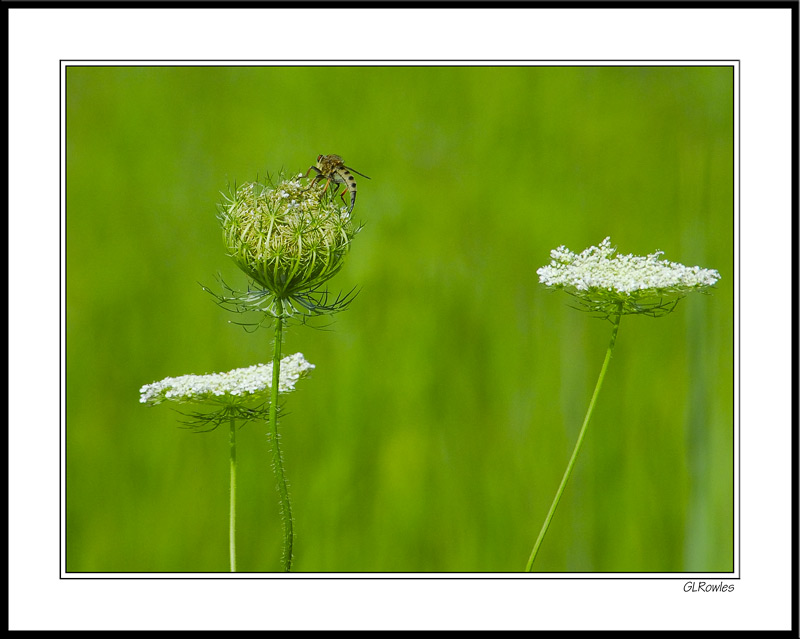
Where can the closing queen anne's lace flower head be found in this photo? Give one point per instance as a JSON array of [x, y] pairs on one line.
[[290, 239], [612, 284], [230, 388]]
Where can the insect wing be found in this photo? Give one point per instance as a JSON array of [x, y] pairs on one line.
[[361, 174]]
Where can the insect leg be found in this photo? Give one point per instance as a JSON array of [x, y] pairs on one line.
[[317, 177], [327, 184], [311, 168]]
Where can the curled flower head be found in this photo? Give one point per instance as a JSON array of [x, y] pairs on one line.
[[232, 387], [612, 284], [288, 238]]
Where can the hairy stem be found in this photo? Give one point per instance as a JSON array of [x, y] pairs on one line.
[[568, 472], [232, 529], [277, 459]]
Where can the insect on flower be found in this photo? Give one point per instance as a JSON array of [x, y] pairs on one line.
[[331, 168]]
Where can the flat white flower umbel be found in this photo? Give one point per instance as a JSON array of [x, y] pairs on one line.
[[620, 284], [252, 382]]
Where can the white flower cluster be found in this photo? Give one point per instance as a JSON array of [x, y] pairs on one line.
[[304, 203], [598, 269], [216, 387]]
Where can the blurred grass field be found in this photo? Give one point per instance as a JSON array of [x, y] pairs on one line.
[[445, 402]]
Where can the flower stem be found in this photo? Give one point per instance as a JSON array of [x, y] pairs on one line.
[[232, 530], [568, 472], [277, 459]]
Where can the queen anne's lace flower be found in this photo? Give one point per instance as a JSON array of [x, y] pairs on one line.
[[287, 237], [240, 383], [608, 283], [290, 239]]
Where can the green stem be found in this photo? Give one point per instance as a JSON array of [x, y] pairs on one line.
[[232, 530], [277, 459], [581, 435]]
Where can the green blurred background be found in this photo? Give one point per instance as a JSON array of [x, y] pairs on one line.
[[446, 401]]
